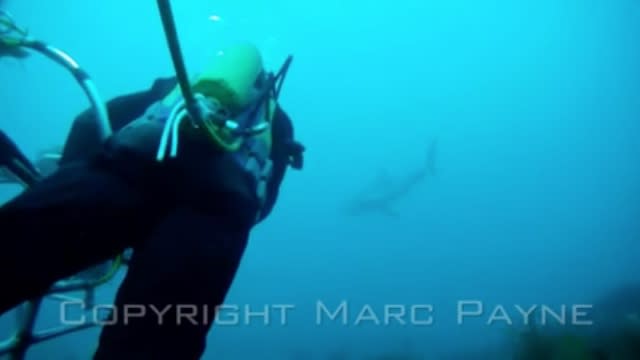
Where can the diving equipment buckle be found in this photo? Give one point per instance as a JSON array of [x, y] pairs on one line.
[[213, 118]]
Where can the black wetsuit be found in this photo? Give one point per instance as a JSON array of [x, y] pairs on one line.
[[188, 231]]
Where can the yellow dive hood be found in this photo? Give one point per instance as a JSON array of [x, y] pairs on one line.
[[230, 77]]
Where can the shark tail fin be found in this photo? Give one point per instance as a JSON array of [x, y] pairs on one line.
[[432, 153]]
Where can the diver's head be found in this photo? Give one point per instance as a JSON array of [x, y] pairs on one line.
[[235, 77]]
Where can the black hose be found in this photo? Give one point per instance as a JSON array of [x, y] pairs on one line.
[[176, 55], [282, 74], [16, 162]]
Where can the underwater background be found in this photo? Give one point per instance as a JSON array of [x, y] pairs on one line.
[[535, 106]]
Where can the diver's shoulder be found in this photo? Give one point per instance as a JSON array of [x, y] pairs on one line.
[[282, 119]]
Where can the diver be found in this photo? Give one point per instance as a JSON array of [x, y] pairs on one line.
[[387, 192], [186, 209]]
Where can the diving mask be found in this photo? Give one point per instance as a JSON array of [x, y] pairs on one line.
[[254, 118], [250, 121]]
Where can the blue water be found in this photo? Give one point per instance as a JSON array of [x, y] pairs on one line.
[[536, 107]]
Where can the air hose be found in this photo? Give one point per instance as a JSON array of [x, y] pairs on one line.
[[169, 25], [13, 39]]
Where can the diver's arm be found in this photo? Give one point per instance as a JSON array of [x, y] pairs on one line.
[[282, 132], [83, 141]]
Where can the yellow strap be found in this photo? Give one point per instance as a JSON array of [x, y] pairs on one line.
[[117, 263]]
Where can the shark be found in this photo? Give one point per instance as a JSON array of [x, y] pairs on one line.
[[388, 191]]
